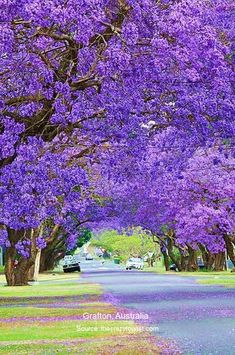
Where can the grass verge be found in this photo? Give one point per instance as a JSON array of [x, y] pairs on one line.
[[220, 280], [47, 318]]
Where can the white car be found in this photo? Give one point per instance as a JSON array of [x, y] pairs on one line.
[[135, 263], [71, 263]]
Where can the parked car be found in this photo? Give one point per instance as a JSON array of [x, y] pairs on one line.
[[71, 263], [135, 263], [173, 267], [89, 257], [200, 263], [99, 252]]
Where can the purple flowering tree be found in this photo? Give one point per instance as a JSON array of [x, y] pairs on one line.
[[183, 197], [205, 214], [80, 81]]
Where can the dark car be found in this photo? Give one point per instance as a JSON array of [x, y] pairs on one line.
[[89, 257], [173, 267], [200, 263]]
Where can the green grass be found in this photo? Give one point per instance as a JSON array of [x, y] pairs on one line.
[[47, 291], [207, 273], [60, 330], [122, 345], [217, 280], [160, 269], [31, 323], [42, 349], [47, 277], [220, 278], [18, 312], [70, 289]]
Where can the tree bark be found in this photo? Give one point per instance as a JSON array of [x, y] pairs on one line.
[[219, 261], [21, 272], [164, 252], [205, 256], [31, 273], [37, 265], [166, 260], [17, 267], [210, 261], [9, 266], [34, 270], [182, 261], [192, 262], [54, 251], [170, 245], [214, 262], [230, 248]]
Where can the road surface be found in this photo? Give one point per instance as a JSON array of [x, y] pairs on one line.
[[200, 318]]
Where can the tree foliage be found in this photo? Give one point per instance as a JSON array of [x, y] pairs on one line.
[[137, 244], [87, 85]]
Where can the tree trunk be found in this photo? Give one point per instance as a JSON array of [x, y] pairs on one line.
[[171, 254], [166, 260], [219, 262], [205, 257], [17, 270], [21, 272], [37, 265], [31, 273], [192, 262], [9, 266], [50, 256], [182, 262], [54, 251], [210, 260], [34, 270], [230, 248], [48, 259]]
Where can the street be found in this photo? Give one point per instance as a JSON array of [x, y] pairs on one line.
[[200, 318]]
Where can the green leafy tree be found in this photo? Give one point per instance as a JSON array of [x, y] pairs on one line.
[[138, 244]]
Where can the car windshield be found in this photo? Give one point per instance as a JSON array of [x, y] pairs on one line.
[[135, 260]]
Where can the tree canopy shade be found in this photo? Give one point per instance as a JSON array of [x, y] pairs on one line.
[[82, 81], [189, 206], [103, 66]]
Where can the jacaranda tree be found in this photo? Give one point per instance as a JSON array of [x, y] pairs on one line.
[[79, 80], [188, 207]]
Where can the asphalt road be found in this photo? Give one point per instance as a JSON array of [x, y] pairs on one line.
[[201, 319]]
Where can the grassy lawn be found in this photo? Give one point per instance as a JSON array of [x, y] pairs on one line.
[[160, 269], [121, 345], [59, 330], [47, 318], [221, 280], [50, 290]]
